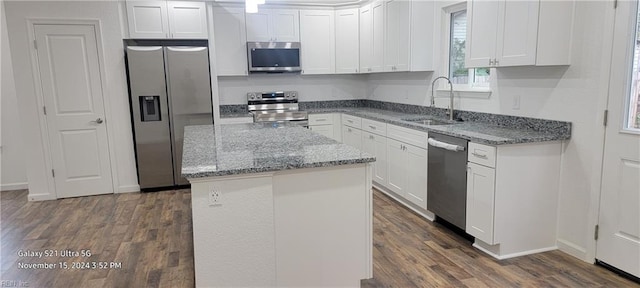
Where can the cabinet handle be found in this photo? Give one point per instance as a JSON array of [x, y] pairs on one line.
[[321, 119], [490, 62], [496, 62], [479, 155], [349, 129], [356, 70], [370, 136], [372, 127]]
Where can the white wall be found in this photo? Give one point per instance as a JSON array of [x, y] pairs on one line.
[[13, 174], [116, 99], [575, 93], [233, 90]]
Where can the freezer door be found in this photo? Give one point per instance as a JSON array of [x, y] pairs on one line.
[[150, 116], [189, 89]]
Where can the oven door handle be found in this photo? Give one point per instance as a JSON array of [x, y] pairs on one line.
[[445, 145]]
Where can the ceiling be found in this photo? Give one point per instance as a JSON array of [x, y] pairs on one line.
[[305, 2]]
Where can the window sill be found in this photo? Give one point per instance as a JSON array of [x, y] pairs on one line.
[[477, 93]]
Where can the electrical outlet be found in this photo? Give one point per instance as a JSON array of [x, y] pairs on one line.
[[516, 102], [214, 198]]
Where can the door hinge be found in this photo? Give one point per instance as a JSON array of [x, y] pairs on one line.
[[595, 233], [44, 110], [606, 117], [53, 173], [35, 44]]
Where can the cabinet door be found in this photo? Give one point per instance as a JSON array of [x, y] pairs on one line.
[[480, 202], [416, 170], [325, 130], [366, 38], [231, 41], [482, 27], [317, 36], [517, 33], [148, 19], [377, 13], [352, 136], [285, 25], [377, 145], [397, 28], [259, 26], [187, 19], [397, 167], [347, 41]]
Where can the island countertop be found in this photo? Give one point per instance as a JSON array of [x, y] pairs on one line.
[[218, 150]]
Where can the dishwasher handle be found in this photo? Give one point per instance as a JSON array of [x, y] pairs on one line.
[[444, 145]]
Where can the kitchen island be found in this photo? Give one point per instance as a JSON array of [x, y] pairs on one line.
[[277, 206]]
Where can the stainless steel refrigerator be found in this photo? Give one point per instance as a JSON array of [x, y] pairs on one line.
[[169, 88]]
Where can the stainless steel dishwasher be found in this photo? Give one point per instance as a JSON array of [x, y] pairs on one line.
[[447, 178]]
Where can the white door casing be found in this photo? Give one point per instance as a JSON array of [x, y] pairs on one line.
[[72, 92], [618, 243]]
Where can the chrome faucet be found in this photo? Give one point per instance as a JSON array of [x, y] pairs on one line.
[[433, 97]]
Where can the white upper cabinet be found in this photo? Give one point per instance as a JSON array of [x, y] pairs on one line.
[[148, 19], [397, 31], [187, 20], [317, 37], [423, 33], [347, 41], [230, 41], [377, 13], [372, 37], [510, 33], [366, 38], [167, 19], [267, 25]]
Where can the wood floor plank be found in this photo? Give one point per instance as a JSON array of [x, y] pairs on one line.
[[151, 236]]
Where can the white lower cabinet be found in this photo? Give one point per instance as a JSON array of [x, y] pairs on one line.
[[480, 201], [376, 145], [512, 197], [352, 136], [327, 124], [407, 168], [326, 130]]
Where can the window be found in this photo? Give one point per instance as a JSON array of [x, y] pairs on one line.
[[633, 104], [460, 76]]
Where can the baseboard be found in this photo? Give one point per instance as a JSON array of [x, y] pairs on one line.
[[572, 249], [14, 186], [428, 215], [128, 189], [41, 197], [513, 255]]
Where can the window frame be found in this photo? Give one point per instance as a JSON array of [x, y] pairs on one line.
[[484, 89]]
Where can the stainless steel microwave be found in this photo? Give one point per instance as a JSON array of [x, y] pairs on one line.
[[273, 56]]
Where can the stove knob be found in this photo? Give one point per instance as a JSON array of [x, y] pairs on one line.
[[259, 96], [294, 95], [251, 96]]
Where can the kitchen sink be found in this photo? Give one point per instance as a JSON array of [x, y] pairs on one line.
[[430, 121]]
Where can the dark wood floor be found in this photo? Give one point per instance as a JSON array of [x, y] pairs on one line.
[[150, 235]]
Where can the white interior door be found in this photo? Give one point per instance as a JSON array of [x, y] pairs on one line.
[[619, 220], [73, 97]]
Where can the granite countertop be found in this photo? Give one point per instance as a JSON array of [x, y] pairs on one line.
[[474, 131], [259, 147]]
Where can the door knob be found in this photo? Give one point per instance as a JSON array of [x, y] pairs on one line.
[[98, 121]]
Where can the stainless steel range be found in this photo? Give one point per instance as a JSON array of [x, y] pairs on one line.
[[276, 107]]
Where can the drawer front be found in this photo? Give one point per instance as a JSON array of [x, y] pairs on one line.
[[352, 121], [374, 127], [406, 135], [482, 154], [236, 120], [320, 119]]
